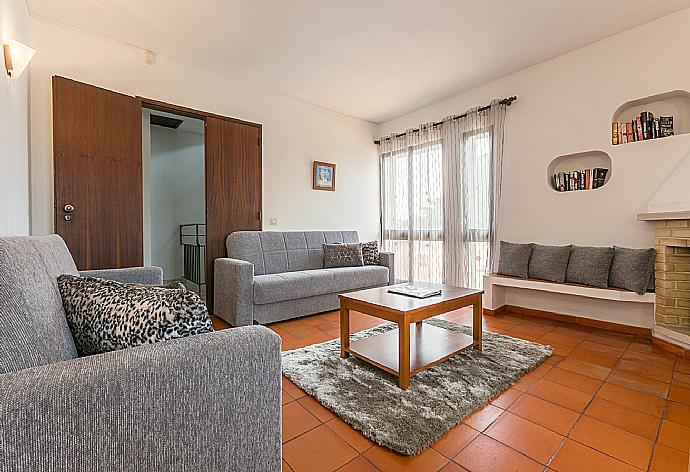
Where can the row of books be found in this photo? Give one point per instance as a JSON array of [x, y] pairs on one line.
[[642, 128], [585, 179]]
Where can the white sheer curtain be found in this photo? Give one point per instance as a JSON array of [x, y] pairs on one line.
[[412, 203], [440, 195]]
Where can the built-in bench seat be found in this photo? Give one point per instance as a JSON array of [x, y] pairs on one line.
[[558, 300]]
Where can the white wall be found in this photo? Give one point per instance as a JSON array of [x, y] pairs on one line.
[[14, 141], [176, 194], [294, 133], [565, 106]]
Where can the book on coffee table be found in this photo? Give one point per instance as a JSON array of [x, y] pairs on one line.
[[415, 291]]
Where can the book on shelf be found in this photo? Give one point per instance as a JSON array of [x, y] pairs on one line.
[[584, 179], [655, 128], [625, 132], [641, 128], [640, 133], [599, 177], [665, 126]]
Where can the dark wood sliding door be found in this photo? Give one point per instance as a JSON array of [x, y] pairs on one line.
[[233, 185], [98, 179], [98, 176]]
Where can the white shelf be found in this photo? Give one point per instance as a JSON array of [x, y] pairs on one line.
[[675, 103], [568, 289], [579, 161]]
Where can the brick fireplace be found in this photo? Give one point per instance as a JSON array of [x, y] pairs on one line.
[[669, 210], [672, 273]]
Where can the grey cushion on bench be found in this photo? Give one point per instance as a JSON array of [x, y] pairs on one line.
[[549, 262], [514, 259], [589, 266], [631, 269]]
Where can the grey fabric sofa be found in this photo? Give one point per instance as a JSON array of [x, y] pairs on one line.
[[204, 403], [272, 276]]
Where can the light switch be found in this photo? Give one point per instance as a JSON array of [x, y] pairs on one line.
[[273, 221]]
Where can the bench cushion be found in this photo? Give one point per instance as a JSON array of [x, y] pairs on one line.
[[514, 259], [273, 288], [589, 266], [549, 262], [632, 269]]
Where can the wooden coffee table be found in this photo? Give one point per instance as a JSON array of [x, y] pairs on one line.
[[408, 350]]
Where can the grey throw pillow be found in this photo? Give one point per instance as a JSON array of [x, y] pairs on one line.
[[514, 259], [104, 315], [632, 269], [370, 253], [549, 262], [342, 255], [589, 266]]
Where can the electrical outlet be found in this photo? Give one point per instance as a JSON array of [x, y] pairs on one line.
[[273, 221]]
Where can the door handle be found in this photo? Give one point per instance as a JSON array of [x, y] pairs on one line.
[[69, 208]]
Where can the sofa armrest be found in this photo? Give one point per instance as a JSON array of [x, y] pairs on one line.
[[388, 260], [233, 291], [205, 403], [132, 275]]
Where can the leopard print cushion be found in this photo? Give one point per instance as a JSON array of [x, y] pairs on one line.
[[370, 252], [104, 315]]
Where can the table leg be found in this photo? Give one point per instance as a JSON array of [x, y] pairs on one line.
[[404, 354], [477, 323], [344, 332], [418, 324]]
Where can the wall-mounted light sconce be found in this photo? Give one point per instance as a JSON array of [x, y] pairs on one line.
[[17, 57]]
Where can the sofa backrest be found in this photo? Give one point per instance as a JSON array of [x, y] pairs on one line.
[[273, 252], [33, 327]]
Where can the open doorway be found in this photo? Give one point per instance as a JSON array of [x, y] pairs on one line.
[[174, 196]]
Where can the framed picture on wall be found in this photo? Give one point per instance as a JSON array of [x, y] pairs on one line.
[[323, 176]]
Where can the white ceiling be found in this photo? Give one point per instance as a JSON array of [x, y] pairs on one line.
[[372, 59]]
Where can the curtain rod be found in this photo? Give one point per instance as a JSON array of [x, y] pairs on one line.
[[504, 101]]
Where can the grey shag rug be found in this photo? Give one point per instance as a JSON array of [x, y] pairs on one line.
[[409, 421]]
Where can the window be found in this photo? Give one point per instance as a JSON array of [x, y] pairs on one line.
[[412, 220], [412, 223]]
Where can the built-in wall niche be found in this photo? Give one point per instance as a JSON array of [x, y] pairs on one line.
[[675, 103], [582, 171]]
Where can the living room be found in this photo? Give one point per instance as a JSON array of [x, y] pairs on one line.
[[487, 151]]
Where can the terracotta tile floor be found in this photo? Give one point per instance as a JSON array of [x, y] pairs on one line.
[[604, 401]]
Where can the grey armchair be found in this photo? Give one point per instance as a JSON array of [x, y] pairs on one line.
[[204, 403]]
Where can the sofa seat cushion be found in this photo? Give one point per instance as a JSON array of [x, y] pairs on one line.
[[273, 288]]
